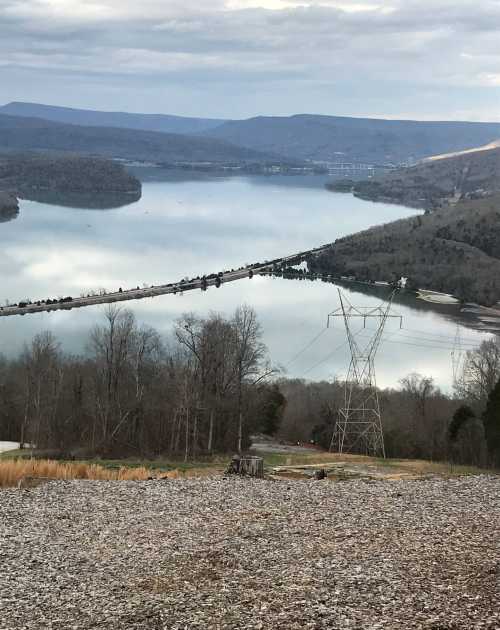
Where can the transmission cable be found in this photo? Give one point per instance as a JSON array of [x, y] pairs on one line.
[[334, 351], [416, 345], [446, 337], [439, 344], [401, 333], [301, 352], [325, 359]]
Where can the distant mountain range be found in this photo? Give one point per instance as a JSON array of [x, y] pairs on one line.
[[20, 134], [299, 137], [337, 139], [90, 118], [166, 138]]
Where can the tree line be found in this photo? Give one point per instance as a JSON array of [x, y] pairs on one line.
[[210, 385], [201, 391], [419, 420]]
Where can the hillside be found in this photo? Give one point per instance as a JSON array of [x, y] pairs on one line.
[[144, 122], [9, 207], [70, 180], [21, 134], [434, 182], [454, 250], [299, 137], [335, 138], [71, 173]]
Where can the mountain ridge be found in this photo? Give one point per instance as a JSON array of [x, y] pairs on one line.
[[341, 138], [166, 123], [24, 134], [313, 137]]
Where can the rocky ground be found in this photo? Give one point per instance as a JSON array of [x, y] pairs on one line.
[[252, 554]]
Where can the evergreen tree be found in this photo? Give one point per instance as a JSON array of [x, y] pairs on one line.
[[460, 417], [272, 410], [491, 419]]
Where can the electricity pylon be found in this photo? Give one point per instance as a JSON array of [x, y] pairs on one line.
[[456, 356], [358, 428]]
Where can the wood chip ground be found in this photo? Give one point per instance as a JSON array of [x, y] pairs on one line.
[[252, 554]]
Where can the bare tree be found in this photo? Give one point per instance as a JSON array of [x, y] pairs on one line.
[[250, 353], [43, 385], [480, 373], [111, 348]]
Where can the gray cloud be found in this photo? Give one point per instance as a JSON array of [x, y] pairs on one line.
[[321, 47]]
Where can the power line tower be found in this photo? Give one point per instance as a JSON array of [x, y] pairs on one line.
[[358, 428], [456, 356]]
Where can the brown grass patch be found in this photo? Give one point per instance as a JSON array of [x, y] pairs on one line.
[[30, 472]]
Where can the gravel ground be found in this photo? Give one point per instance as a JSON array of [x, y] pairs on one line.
[[227, 554]]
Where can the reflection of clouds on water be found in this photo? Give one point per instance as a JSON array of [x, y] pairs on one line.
[[219, 224]]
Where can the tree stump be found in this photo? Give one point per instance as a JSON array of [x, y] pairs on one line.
[[246, 467]]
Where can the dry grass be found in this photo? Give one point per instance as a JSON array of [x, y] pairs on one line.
[[27, 472], [446, 469], [352, 466]]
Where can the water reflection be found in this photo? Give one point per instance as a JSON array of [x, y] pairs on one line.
[[90, 201], [187, 228]]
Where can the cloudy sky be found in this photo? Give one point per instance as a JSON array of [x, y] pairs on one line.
[[425, 59]]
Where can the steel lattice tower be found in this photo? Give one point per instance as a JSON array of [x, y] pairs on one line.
[[358, 428], [456, 356]]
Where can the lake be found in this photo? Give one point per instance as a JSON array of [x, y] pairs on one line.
[[187, 226]]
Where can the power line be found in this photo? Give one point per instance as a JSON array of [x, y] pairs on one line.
[[311, 343], [417, 345], [428, 334], [325, 359], [429, 340], [422, 338]]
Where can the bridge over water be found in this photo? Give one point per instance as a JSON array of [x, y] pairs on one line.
[[214, 279]]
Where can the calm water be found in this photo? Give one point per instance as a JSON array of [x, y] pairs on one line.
[[190, 227]]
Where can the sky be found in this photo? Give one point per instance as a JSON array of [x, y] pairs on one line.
[[419, 59]]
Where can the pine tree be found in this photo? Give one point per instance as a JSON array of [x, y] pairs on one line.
[[460, 417]]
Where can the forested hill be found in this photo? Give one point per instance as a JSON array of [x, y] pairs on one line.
[[65, 177], [71, 173], [435, 183], [455, 249], [9, 206], [337, 139], [20, 134], [146, 122]]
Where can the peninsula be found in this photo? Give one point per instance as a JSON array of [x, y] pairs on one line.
[[36, 175]]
